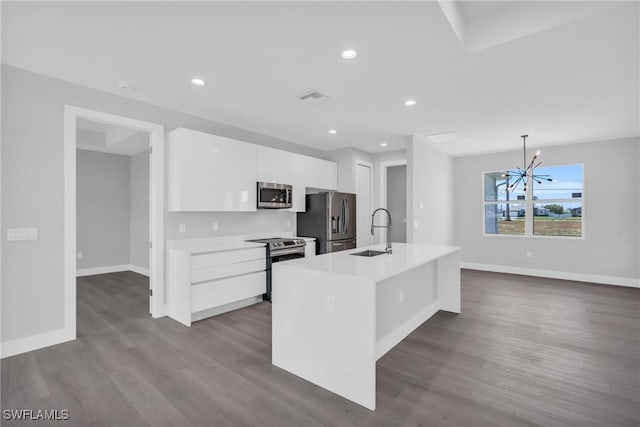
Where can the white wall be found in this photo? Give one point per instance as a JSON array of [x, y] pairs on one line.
[[430, 194], [102, 205], [346, 159], [32, 190], [610, 247], [139, 217]]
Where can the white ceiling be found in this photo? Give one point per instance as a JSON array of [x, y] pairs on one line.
[[559, 80], [108, 138]]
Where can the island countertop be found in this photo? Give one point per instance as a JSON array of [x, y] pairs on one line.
[[334, 315], [404, 257]]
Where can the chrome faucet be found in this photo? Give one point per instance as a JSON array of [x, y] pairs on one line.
[[388, 227]]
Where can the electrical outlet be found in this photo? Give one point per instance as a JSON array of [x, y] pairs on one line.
[[401, 297], [182, 228], [529, 254], [288, 223], [421, 205], [80, 255], [22, 234], [214, 226]]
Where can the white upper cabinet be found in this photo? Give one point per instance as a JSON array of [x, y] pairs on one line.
[[275, 165], [302, 172], [321, 174], [210, 173]]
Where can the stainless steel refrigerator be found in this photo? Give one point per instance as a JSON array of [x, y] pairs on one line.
[[331, 219]]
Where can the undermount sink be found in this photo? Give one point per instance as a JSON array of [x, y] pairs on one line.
[[369, 253]]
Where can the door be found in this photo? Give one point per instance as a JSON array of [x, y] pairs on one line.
[[363, 203], [397, 202]]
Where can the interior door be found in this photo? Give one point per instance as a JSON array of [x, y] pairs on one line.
[[363, 204], [397, 202]]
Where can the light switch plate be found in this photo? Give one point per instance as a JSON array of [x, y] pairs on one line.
[[182, 228], [14, 234]]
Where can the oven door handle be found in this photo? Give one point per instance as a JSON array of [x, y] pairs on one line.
[[288, 252]]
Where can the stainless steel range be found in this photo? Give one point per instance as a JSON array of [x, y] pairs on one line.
[[280, 249]]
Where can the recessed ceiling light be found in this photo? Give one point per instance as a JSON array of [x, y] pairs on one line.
[[197, 82], [443, 137], [383, 144], [333, 131], [349, 54], [410, 102]]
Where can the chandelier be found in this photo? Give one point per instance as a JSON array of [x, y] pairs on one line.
[[526, 173]]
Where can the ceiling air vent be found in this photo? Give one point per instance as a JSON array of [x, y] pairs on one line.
[[313, 97], [443, 137]]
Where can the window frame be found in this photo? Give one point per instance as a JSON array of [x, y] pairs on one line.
[[529, 208]]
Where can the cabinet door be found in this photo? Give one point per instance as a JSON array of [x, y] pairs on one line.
[[273, 165], [210, 173], [321, 174]]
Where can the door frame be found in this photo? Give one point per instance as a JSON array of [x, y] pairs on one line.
[[383, 183], [157, 304], [370, 166]]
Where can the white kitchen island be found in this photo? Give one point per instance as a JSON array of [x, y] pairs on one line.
[[335, 315]]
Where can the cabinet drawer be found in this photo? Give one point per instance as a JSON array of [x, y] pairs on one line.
[[226, 270], [227, 257], [212, 294]]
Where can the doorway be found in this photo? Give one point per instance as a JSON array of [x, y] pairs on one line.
[[73, 117], [393, 196], [112, 204], [364, 200]]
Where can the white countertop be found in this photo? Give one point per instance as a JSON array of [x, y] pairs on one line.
[[227, 243], [405, 257], [213, 246]]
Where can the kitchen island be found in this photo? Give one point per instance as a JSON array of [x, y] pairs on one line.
[[335, 315]]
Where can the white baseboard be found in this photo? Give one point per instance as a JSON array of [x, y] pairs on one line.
[[578, 277], [101, 270], [225, 308], [139, 270], [34, 342], [112, 269], [392, 339], [162, 311]]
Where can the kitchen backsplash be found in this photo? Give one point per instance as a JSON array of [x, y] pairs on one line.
[[201, 224]]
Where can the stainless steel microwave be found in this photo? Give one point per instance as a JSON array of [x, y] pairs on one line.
[[274, 196]]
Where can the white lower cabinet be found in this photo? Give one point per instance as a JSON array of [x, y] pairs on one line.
[[200, 283]]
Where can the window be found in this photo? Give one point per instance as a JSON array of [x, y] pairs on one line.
[[546, 209]]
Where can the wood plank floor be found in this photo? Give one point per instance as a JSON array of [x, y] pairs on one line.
[[525, 351]]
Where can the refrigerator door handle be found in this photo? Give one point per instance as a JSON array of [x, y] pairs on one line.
[[346, 215]]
